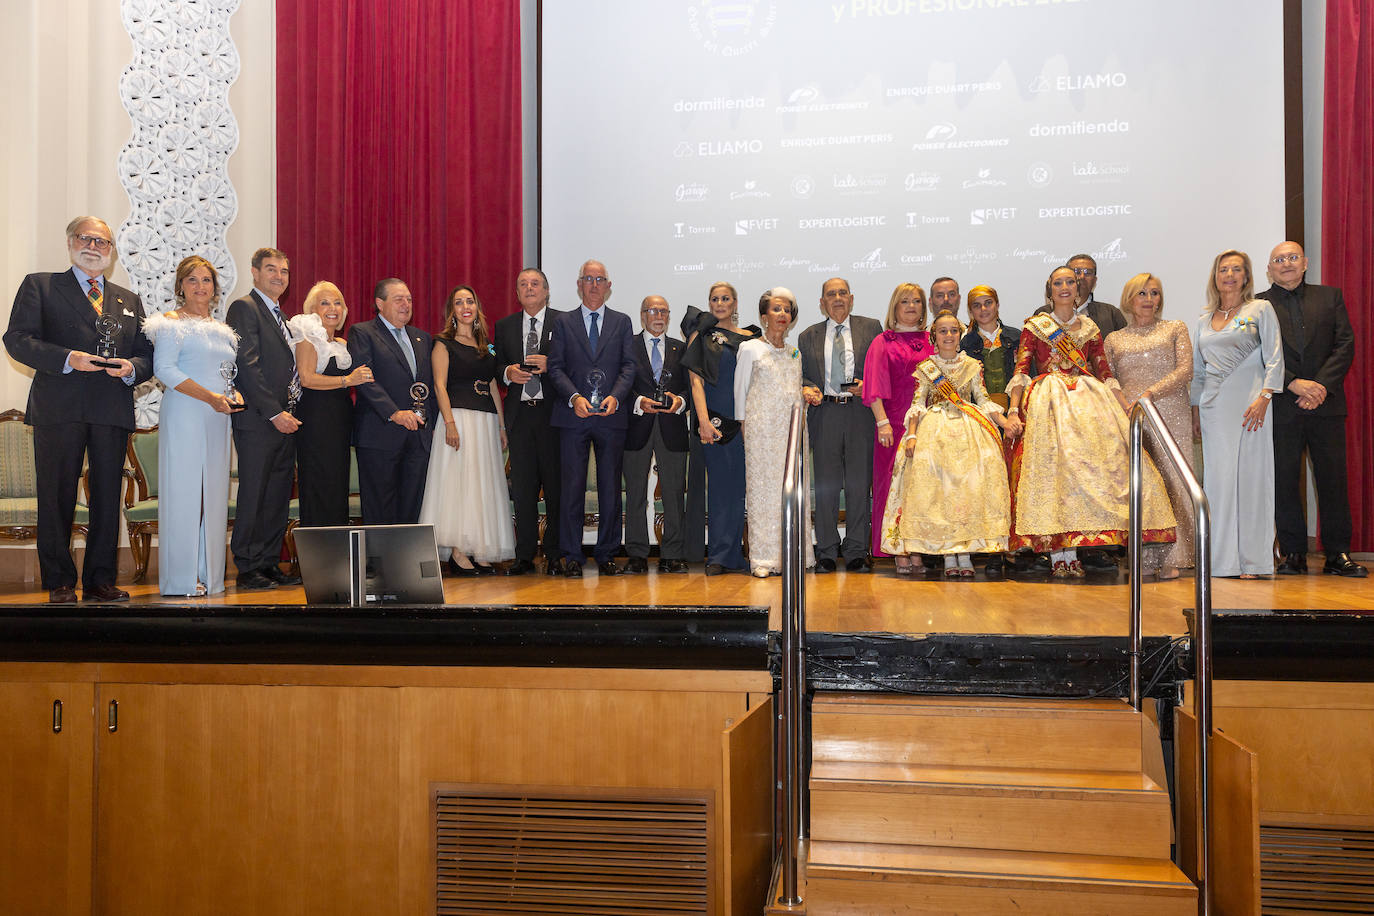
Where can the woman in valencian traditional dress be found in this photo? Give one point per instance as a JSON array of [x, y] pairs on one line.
[[949, 487], [1070, 466]]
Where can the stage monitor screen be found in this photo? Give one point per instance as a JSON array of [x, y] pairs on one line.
[[767, 143], [402, 564]]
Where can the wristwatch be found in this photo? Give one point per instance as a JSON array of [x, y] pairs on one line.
[[1267, 395]]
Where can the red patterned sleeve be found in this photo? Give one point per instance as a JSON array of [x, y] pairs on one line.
[[1097, 358]]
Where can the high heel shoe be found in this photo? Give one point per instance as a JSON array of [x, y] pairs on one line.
[[462, 572], [482, 568]]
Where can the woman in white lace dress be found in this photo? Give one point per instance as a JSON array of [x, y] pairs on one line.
[[768, 383]]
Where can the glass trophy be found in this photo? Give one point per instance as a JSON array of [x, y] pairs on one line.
[[229, 370], [419, 393], [662, 395], [596, 380], [106, 352], [293, 395]]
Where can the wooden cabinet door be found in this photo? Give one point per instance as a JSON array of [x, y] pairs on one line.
[[246, 799], [45, 799]]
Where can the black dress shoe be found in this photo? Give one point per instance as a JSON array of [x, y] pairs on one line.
[[253, 580], [859, 565], [274, 573], [572, 570], [455, 570], [673, 566], [636, 565], [607, 568], [520, 568], [714, 569], [825, 565], [1340, 564], [553, 568], [994, 569], [483, 569], [1097, 561], [104, 593], [1293, 564], [63, 594]]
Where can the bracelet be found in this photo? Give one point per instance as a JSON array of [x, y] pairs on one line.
[[909, 437], [884, 422]]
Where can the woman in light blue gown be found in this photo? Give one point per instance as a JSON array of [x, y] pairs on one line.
[[189, 347], [1237, 368]]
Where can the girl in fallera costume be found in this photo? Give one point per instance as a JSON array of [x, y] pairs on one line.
[[949, 491]]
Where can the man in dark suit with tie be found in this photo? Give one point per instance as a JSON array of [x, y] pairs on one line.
[[264, 432], [80, 410], [392, 440], [522, 339], [1309, 414], [656, 432], [591, 366], [842, 428]]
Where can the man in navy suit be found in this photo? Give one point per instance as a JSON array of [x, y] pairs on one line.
[[591, 367], [79, 411], [659, 433], [392, 440], [1310, 413], [264, 432]]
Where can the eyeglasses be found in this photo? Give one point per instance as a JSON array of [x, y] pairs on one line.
[[655, 312], [595, 281], [1280, 260], [1084, 271], [99, 243]]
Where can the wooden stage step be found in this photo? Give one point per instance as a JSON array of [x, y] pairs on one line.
[[1107, 812], [878, 879], [976, 731]]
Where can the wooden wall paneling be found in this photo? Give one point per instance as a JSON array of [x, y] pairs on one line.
[[551, 737], [45, 799], [747, 810], [1234, 869], [237, 799]]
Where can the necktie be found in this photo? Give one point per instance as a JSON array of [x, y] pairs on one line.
[[837, 378], [532, 388], [405, 348], [592, 335], [656, 359], [94, 295], [281, 325]]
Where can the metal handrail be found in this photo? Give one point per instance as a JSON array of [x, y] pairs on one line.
[[1144, 412], [793, 656]]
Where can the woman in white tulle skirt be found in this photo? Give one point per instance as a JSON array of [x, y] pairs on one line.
[[466, 498]]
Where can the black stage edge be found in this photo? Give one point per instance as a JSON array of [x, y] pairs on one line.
[[708, 638], [1292, 645], [988, 665]]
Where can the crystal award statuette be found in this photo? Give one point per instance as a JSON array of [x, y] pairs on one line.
[[419, 393], [229, 370], [662, 395], [595, 379], [108, 326], [293, 395]]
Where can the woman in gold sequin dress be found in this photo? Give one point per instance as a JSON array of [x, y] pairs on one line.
[[1155, 357], [1069, 464]]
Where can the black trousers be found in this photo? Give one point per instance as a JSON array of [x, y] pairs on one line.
[[58, 451], [1323, 438], [267, 468], [534, 466]]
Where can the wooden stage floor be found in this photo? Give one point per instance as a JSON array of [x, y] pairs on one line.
[[853, 602]]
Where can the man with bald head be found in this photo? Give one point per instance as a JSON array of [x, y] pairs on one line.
[[81, 407], [657, 435], [1309, 414]]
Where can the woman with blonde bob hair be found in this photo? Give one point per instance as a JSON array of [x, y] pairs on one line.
[[1154, 357], [888, 387], [325, 410], [1237, 368]]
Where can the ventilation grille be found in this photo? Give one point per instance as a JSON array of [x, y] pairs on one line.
[[500, 852], [1316, 870]]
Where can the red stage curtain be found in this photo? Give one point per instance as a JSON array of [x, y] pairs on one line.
[[1348, 227], [398, 149]]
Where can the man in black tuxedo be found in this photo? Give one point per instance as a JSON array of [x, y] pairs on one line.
[[522, 339], [656, 432], [79, 410], [591, 367], [1318, 347], [842, 428], [392, 440], [264, 432]]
